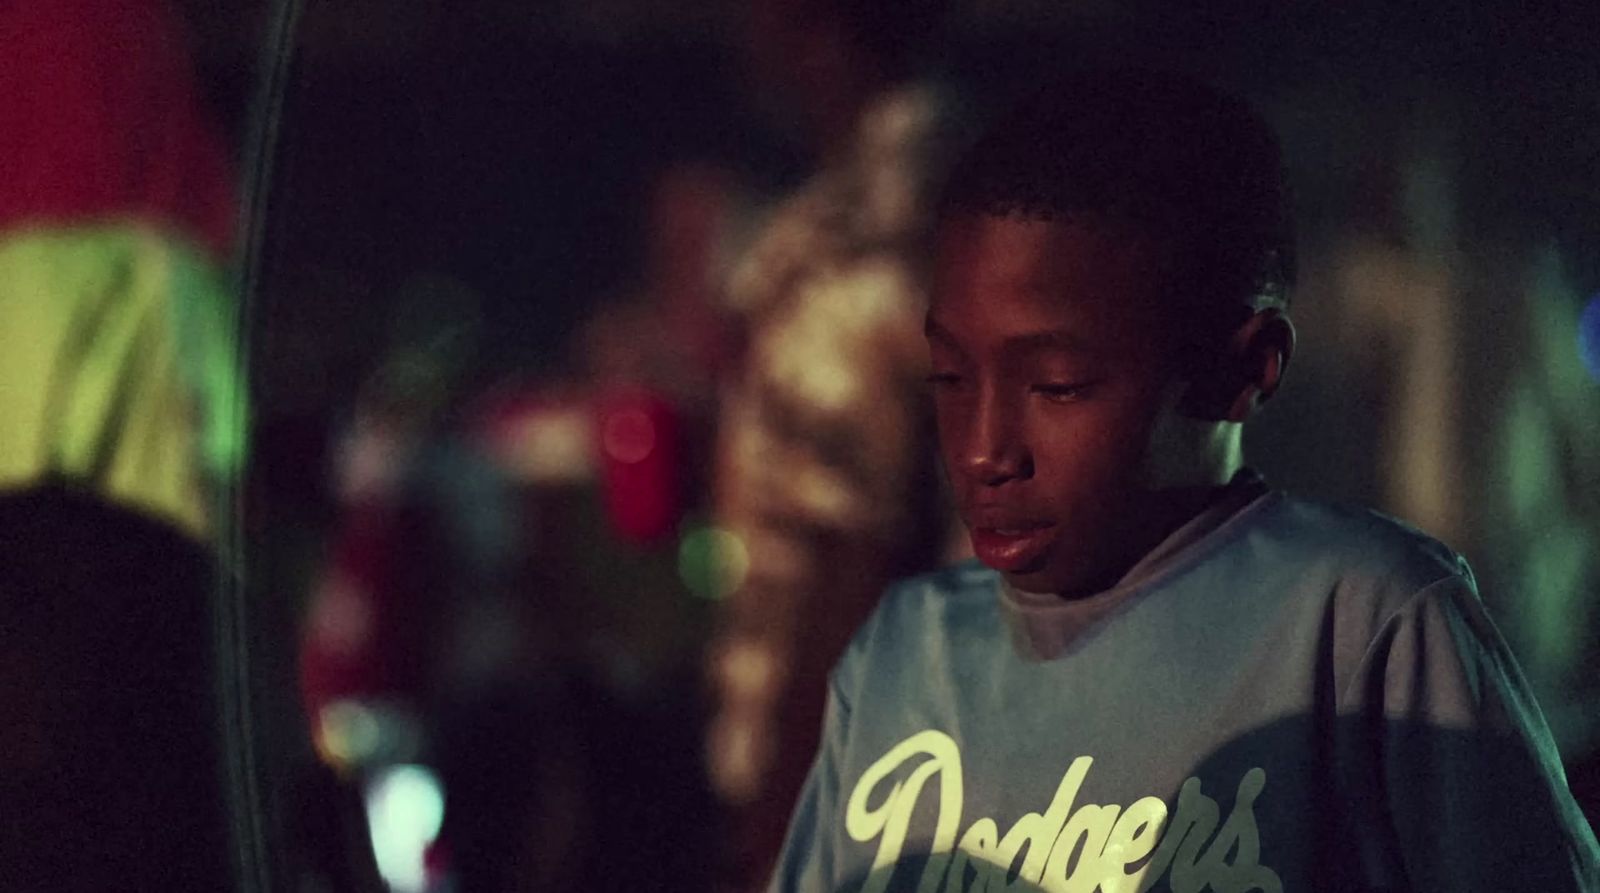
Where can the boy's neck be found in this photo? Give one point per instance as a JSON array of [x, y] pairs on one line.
[[1186, 453], [1159, 517]]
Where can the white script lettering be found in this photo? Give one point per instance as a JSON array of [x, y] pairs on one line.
[[1064, 849]]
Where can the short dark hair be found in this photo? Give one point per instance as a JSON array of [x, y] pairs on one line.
[[1187, 165]]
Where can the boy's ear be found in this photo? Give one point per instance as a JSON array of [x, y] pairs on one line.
[[1247, 373]]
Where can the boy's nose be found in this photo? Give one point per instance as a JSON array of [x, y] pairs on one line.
[[992, 468], [994, 453]]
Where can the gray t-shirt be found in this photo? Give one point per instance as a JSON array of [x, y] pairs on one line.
[[1284, 696]]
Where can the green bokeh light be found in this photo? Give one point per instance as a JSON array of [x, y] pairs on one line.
[[712, 562]]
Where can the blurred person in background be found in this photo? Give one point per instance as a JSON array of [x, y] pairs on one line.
[[505, 603], [825, 478], [423, 556], [122, 407], [117, 210]]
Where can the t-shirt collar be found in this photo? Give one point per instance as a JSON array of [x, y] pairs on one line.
[[1043, 625]]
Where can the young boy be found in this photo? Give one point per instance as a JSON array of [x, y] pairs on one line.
[[1168, 676]]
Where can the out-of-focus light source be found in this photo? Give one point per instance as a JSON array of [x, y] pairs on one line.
[[351, 733], [1589, 337], [748, 671], [628, 436], [641, 473], [712, 562], [405, 809], [348, 733], [545, 444]]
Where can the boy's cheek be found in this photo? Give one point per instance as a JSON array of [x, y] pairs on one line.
[[954, 433], [1180, 451]]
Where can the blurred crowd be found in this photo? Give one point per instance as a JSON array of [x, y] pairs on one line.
[[689, 522], [570, 629]]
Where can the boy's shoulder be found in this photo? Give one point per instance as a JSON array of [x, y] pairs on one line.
[[1354, 545]]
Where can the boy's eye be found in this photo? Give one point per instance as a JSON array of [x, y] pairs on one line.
[[943, 379], [1062, 393]]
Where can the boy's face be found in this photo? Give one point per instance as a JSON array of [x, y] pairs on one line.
[[1053, 384]]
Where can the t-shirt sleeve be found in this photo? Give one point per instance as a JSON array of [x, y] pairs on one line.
[[1454, 779], [806, 862]]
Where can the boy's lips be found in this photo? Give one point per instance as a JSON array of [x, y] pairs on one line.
[[1012, 547]]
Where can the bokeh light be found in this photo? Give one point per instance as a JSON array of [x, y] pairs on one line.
[[348, 733], [712, 562], [351, 733], [628, 436], [405, 809], [749, 670], [1589, 336]]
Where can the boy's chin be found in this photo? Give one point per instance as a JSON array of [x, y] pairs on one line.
[[1034, 580], [1049, 579]]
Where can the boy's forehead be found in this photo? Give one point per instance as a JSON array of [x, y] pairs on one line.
[[1001, 243], [1052, 264]]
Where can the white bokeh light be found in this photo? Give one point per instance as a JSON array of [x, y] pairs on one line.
[[405, 809]]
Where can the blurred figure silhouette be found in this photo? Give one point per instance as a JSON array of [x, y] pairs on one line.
[[825, 474], [544, 757], [425, 537], [503, 601], [119, 390], [116, 211]]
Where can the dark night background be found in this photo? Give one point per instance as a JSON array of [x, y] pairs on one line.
[[506, 151]]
